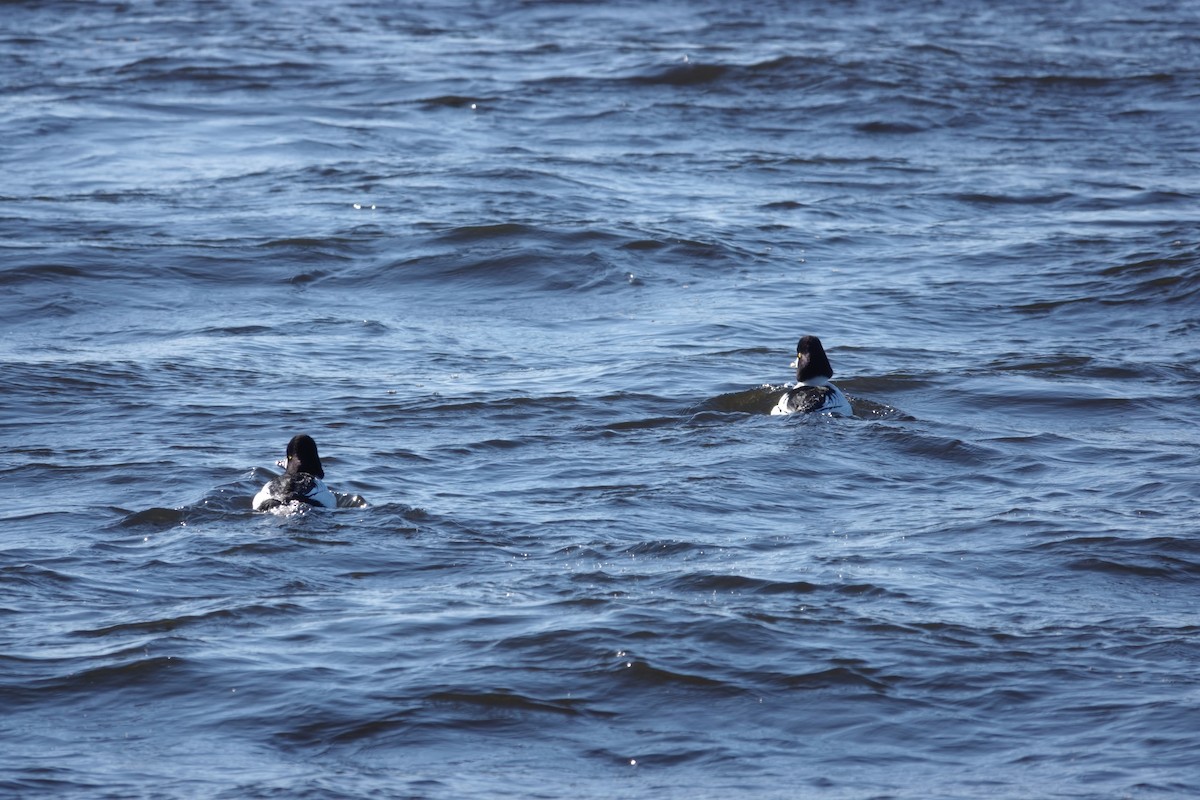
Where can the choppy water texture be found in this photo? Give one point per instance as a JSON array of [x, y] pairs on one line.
[[529, 272]]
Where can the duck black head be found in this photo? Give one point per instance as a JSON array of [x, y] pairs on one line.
[[811, 360], [302, 457]]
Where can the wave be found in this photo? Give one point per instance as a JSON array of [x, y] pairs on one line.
[[228, 501], [762, 399], [759, 400], [1168, 558], [1163, 278], [523, 257], [1052, 80]]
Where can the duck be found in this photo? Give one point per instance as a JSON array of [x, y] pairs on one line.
[[302, 481], [813, 393]]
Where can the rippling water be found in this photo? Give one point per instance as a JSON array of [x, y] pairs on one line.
[[531, 273]]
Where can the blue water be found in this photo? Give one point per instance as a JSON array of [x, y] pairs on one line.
[[531, 274]]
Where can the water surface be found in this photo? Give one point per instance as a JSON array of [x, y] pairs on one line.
[[530, 274]]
